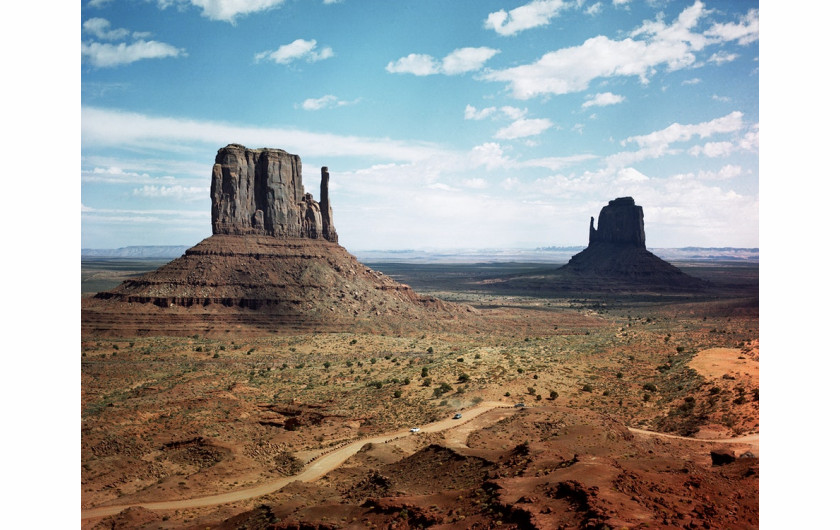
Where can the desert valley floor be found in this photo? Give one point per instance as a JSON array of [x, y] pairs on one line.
[[580, 410]]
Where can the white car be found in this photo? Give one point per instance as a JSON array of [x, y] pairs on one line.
[[414, 429]]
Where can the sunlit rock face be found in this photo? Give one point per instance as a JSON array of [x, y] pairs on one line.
[[260, 192]]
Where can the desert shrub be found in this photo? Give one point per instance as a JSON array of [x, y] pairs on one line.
[[755, 394], [606, 393], [461, 390], [463, 378], [397, 393], [352, 342], [426, 382], [216, 355], [553, 395], [539, 397], [424, 372], [714, 390], [619, 375], [507, 394], [646, 397], [460, 359], [536, 376], [587, 387], [740, 400], [406, 381], [478, 356], [650, 387], [532, 390], [476, 400], [430, 350], [199, 349], [680, 349], [327, 365], [519, 370]]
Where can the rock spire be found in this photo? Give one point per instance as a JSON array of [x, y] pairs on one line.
[[621, 222], [260, 192]]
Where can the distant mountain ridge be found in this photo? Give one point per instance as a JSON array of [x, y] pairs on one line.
[[539, 254], [150, 251]]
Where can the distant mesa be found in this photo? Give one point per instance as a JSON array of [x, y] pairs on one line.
[[615, 260], [273, 263]]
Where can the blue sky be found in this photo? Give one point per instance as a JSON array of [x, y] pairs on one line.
[[469, 124]]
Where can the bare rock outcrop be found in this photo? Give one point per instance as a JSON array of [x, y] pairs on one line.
[[621, 222], [260, 192]]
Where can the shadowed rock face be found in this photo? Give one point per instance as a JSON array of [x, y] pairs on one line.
[[621, 222], [260, 192]]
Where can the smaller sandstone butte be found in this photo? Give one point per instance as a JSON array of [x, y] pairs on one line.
[[260, 192], [615, 260]]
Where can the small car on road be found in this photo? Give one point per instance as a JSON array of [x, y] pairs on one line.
[[519, 406], [414, 429], [456, 417]]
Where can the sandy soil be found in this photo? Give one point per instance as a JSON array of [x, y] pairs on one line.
[[714, 363]]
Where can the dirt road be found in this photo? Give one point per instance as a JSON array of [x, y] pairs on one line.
[[315, 470], [334, 458]]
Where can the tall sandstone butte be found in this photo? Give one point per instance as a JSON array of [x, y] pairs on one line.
[[260, 192], [273, 263]]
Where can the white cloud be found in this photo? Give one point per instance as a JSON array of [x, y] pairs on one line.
[[724, 99], [745, 31], [572, 69], [602, 100], [459, 61], [713, 149], [523, 128], [534, 14], [722, 57], [488, 155], [224, 10], [475, 183], [183, 193], [513, 113], [128, 130], [555, 163], [98, 3], [104, 55], [465, 60], [325, 102], [620, 2], [416, 64], [677, 132], [299, 49], [693, 81], [101, 28], [594, 9]]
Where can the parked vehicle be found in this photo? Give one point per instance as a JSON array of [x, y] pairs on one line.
[[519, 406], [414, 429], [456, 417]]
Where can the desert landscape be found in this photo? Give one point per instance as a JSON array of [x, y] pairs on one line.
[[268, 379]]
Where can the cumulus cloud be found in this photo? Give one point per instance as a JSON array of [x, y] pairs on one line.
[[745, 31], [465, 60], [101, 28], [460, 61], [325, 102], [299, 49], [602, 100], [594, 9], [692, 81], [513, 113], [677, 132], [713, 149], [224, 10], [722, 57], [534, 14], [653, 45], [523, 128], [105, 54]]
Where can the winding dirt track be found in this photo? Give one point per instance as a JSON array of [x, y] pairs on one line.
[[333, 459], [315, 470]]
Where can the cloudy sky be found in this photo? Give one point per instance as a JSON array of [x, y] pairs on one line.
[[469, 124]]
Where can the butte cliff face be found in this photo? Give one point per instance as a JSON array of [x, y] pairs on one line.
[[272, 264], [621, 222], [260, 192]]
